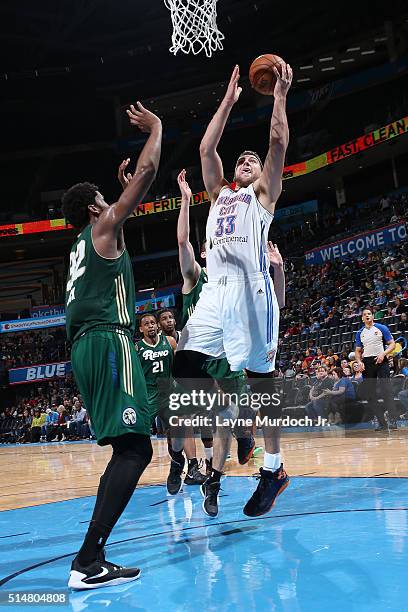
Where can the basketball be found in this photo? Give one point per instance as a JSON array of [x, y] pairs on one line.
[[261, 74]]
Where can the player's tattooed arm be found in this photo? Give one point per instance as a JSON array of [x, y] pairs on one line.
[[276, 261], [190, 269], [269, 186], [211, 164], [111, 221]]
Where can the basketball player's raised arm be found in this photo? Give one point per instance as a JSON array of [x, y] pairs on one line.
[[190, 269], [143, 177], [276, 261], [211, 164], [269, 186]]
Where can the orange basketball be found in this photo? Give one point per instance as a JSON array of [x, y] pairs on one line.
[[261, 73]]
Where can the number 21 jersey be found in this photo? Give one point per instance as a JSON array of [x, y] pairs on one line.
[[100, 291]]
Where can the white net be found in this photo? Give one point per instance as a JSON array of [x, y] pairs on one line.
[[194, 26]]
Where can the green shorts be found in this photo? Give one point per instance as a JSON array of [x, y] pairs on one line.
[[110, 379]]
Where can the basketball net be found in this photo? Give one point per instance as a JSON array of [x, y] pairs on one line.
[[194, 26]]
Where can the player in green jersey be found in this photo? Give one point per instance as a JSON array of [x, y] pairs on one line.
[[155, 352], [100, 322]]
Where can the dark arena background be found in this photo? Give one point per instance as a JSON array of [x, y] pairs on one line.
[[336, 539]]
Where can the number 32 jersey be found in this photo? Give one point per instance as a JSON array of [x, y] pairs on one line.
[[100, 291], [237, 233]]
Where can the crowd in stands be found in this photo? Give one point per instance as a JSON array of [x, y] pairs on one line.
[[50, 412], [34, 346]]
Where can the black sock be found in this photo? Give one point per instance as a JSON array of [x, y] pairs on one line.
[[115, 490], [215, 476], [192, 463]]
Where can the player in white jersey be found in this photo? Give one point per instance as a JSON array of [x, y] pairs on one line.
[[237, 315]]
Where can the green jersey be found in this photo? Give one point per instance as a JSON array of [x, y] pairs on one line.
[[190, 299], [100, 291], [157, 361]]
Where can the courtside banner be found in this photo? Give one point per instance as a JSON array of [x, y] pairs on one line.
[[28, 324], [387, 132], [37, 373], [360, 243]]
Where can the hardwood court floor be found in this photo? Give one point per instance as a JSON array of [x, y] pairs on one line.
[[31, 475]]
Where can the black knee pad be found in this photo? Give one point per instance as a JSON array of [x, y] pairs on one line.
[[189, 372], [266, 384], [135, 447]]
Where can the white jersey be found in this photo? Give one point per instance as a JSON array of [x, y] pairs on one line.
[[237, 233]]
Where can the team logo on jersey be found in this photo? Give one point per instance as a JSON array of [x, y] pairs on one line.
[[129, 416], [259, 292], [270, 355]]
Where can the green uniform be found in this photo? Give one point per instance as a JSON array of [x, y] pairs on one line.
[[157, 361], [100, 321], [216, 368]]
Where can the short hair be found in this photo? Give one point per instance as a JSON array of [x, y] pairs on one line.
[[75, 203], [339, 372], [368, 308], [249, 153], [163, 310], [322, 366], [147, 314]]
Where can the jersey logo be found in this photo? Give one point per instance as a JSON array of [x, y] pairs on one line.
[[75, 269], [152, 355], [260, 292], [129, 416], [270, 355]]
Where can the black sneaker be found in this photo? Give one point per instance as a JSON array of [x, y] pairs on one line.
[[194, 476], [174, 477], [100, 573], [271, 484], [246, 447], [208, 467], [210, 493]]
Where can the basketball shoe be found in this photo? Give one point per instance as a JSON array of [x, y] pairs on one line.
[[100, 573], [210, 493], [270, 485], [246, 447], [174, 477]]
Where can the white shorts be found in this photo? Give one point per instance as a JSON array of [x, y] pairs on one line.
[[236, 318]]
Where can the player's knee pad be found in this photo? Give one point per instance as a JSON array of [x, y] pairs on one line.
[[267, 393], [188, 371], [133, 447]]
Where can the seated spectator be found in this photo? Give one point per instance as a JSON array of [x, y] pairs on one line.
[[317, 406], [342, 393], [24, 427], [399, 307], [36, 424], [75, 426], [56, 431], [357, 372]]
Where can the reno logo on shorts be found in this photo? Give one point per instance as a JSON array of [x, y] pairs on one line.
[[129, 416]]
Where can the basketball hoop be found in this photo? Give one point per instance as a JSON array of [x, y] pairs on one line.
[[194, 26]]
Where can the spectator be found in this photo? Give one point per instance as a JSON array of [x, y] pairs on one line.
[[316, 408], [340, 396], [75, 426], [56, 431], [36, 424]]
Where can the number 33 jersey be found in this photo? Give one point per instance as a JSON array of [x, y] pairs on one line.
[[100, 291], [237, 233]]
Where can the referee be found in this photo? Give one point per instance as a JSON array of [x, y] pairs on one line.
[[374, 342]]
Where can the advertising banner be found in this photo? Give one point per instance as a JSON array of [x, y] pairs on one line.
[[37, 373], [360, 243], [28, 324]]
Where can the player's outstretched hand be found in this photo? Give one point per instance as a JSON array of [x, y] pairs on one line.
[[143, 118], [124, 178], [184, 186], [233, 90], [283, 82], [275, 257]]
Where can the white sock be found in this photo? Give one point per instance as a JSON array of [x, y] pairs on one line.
[[208, 453], [272, 461]]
